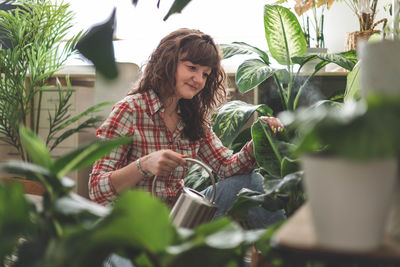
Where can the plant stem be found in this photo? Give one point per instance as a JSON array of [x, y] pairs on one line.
[[38, 112], [276, 152], [296, 101], [283, 96]]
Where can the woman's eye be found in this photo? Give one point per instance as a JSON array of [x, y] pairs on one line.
[[205, 75], [192, 67]]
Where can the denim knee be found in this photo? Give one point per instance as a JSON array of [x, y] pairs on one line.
[[226, 194]]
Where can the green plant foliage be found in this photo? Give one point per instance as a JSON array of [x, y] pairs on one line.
[[353, 84], [284, 35], [86, 155], [280, 193], [231, 117], [198, 179], [35, 30], [72, 231], [14, 214], [269, 151], [264, 246], [50, 173], [222, 241], [35, 147], [289, 165], [176, 7], [242, 48], [287, 45], [273, 156], [243, 137], [251, 73], [361, 130], [346, 60], [97, 46]]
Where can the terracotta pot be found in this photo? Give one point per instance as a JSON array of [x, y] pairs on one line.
[[30, 187]]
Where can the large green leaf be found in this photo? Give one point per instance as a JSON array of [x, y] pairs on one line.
[[302, 60], [246, 200], [176, 7], [251, 73], [97, 46], [242, 48], [138, 219], [214, 244], [233, 116], [87, 154], [353, 86], [243, 137], [284, 35], [345, 60], [36, 149], [138, 223], [74, 204], [280, 193], [268, 150], [289, 165]]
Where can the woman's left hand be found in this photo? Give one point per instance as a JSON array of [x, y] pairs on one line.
[[274, 123]]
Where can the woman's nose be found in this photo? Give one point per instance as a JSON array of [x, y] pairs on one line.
[[198, 77]]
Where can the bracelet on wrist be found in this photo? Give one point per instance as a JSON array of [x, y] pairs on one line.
[[143, 173]]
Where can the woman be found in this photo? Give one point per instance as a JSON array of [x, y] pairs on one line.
[[168, 117]]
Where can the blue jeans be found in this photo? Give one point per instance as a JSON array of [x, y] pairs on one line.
[[226, 194]]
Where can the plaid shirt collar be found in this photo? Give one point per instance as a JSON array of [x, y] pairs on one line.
[[155, 101], [157, 106]]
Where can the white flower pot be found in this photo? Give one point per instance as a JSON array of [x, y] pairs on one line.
[[309, 66], [380, 72], [349, 200]]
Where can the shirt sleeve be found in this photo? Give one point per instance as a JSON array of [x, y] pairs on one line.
[[119, 123], [222, 160]]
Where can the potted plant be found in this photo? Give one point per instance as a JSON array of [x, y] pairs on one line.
[[287, 46], [32, 52], [365, 12], [349, 157], [315, 10]]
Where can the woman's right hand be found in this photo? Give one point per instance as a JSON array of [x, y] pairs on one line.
[[162, 162]]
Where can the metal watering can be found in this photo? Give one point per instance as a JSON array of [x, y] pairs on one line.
[[192, 208]]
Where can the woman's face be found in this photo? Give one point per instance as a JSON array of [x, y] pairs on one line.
[[190, 79]]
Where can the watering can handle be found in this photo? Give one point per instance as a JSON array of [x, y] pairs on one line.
[[208, 170]]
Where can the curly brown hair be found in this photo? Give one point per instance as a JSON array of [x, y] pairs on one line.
[[159, 76]]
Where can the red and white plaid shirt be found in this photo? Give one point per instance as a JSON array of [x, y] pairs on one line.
[[141, 116]]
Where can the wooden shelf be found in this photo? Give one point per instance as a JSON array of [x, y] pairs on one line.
[[297, 238]]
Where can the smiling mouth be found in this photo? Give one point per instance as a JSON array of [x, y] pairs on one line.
[[191, 86]]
